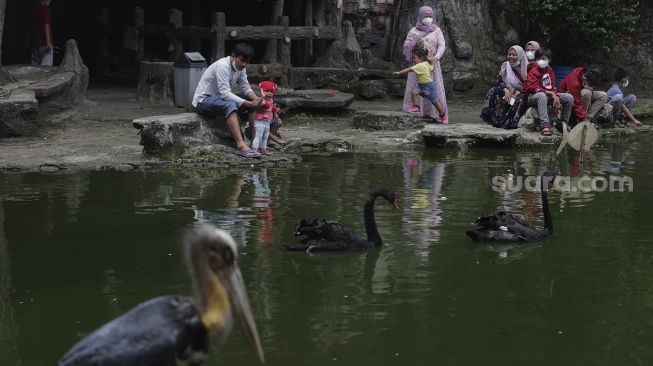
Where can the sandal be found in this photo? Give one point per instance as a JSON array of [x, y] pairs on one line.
[[546, 130], [248, 154]]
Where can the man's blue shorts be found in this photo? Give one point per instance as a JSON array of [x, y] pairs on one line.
[[215, 106], [428, 91]]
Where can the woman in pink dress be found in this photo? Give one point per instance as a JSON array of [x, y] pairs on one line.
[[429, 36]]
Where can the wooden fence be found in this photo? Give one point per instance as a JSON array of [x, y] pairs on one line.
[[218, 33]]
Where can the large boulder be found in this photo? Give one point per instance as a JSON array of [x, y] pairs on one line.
[[160, 133]]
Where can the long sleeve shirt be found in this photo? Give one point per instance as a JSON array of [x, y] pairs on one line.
[[219, 79], [539, 80], [573, 84]]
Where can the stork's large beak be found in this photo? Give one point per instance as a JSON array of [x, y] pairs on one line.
[[240, 302]]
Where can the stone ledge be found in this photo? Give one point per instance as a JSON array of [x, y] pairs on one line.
[[318, 99], [180, 130], [436, 135], [372, 120], [53, 85]]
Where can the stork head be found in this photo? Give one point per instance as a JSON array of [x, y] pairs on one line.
[[214, 260]]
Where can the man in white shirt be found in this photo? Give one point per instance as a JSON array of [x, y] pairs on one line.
[[213, 96]]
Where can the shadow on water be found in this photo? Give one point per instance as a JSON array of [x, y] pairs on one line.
[[84, 247]]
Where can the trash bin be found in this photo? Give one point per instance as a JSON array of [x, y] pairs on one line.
[[188, 70]]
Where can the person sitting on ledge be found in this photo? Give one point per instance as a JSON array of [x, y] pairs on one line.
[[580, 83], [213, 96], [540, 85], [621, 103]]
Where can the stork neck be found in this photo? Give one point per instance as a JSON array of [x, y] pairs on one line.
[[214, 304]]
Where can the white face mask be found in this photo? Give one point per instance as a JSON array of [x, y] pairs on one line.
[[427, 21], [530, 55], [515, 64], [543, 63], [625, 84]]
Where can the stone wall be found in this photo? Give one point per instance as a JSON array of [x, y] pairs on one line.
[[477, 34]]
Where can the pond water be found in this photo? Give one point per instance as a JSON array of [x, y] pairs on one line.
[[78, 249]]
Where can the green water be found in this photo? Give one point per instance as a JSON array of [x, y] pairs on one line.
[[78, 249]]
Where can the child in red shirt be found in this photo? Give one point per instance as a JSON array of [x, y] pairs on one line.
[[263, 117]]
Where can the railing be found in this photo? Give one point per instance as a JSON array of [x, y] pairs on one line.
[[218, 33]]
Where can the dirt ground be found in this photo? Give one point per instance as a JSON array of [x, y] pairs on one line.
[[98, 134]]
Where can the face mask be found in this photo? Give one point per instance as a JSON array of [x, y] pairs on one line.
[[542, 63], [427, 21], [626, 83], [530, 55], [586, 85], [515, 65]]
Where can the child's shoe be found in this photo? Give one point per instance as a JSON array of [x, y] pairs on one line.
[[414, 109], [444, 119]]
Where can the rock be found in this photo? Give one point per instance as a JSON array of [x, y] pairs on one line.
[[604, 116], [530, 120], [375, 89], [319, 99], [387, 120], [17, 109], [319, 78], [5, 76], [155, 83], [369, 89], [72, 63], [481, 135], [351, 49], [463, 81], [181, 131]]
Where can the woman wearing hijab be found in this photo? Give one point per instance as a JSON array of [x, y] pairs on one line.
[[505, 102], [425, 34], [531, 48]]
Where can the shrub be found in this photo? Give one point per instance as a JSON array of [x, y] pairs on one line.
[[578, 31]]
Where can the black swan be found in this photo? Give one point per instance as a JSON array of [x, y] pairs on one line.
[[324, 235], [173, 329], [506, 227]]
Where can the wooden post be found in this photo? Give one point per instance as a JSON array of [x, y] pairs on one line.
[[3, 4], [176, 44], [139, 20], [308, 45], [195, 44], [270, 55], [284, 50], [218, 25]]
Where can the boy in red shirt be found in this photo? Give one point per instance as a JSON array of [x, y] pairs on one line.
[[580, 83], [540, 85]]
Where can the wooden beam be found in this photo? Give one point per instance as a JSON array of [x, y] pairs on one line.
[[265, 71], [243, 33], [218, 36]]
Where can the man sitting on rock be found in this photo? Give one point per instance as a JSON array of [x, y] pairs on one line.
[[214, 98]]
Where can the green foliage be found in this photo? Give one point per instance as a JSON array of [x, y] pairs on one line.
[[579, 30]]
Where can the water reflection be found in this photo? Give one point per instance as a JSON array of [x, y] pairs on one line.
[[422, 213]]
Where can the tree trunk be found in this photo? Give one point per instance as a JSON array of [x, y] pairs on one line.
[[155, 83]]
